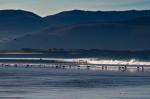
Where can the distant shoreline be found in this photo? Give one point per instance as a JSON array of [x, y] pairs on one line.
[[67, 51], [19, 52]]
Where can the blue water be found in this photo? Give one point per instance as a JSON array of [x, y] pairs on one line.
[[101, 55], [43, 83], [48, 83]]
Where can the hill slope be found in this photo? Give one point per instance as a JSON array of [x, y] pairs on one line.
[[123, 30], [14, 23], [114, 36], [79, 16]]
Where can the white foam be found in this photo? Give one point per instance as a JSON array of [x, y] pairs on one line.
[[90, 60], [111, 61], [118, 62]]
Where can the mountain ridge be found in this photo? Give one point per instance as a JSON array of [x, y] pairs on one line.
[[112, 30], [15, 23]]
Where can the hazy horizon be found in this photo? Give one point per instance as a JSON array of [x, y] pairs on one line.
[[73, 10], [50, 7]]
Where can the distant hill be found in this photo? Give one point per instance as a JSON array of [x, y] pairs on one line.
[[112, 30], [15, 23], [86, 36], [79, 16]]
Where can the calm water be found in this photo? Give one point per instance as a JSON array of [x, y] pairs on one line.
[[43, 83], [101, 55], [48, 83]]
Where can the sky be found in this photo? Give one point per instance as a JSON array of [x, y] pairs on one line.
[[49, 7]]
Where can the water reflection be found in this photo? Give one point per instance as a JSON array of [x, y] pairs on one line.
[[48, 83]]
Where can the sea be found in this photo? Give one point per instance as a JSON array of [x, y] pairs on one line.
[[52, 83]]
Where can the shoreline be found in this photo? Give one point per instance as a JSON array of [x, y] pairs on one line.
[[70, 63], [67, 51], [76, 67]]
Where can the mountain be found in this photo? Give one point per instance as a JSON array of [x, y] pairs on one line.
[[112, 30], [85, 36], [15, 23], [79, 16]]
